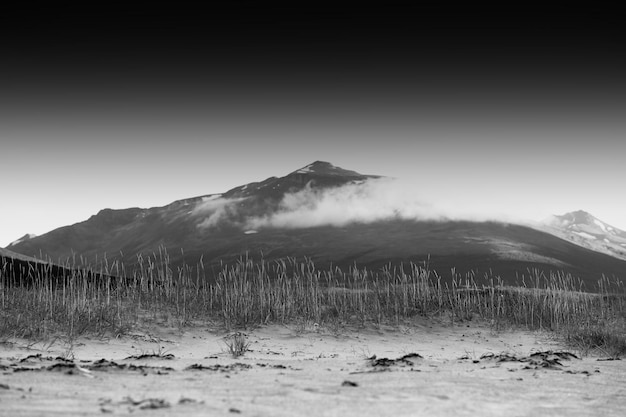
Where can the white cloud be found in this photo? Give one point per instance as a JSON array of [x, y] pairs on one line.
[[215, 209], [369, 201]]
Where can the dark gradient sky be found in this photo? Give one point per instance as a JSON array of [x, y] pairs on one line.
[[519, 113]]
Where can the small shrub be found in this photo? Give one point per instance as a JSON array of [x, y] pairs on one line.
[[237, 344]]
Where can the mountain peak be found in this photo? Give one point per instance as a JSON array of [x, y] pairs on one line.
[[578, 216], [326, 169], [319, 173]]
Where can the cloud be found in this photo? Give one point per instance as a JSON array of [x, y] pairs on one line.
[[215, 210], [366, 202], [372, 200]]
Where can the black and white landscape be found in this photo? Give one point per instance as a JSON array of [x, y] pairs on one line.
[[249, 209]]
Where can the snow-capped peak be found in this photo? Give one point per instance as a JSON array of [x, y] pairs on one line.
[[326, 169], [24, 238]]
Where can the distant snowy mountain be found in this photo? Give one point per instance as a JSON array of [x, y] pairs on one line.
[[24, 238], [586, 230]]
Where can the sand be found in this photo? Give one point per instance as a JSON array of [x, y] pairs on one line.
[[426, 368]]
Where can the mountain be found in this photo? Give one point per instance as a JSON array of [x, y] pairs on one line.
[[296, 216], [586, 230], [209, 224]]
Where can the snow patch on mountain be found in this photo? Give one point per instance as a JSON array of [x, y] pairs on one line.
[[322, 168], [211, 197], [24, 238], [600, 224], [587, 235]]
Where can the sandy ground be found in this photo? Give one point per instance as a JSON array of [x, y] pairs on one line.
[[426, 368]]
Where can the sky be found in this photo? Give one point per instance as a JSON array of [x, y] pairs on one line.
[[519, 116]]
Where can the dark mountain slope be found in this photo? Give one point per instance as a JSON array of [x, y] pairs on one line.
[[499, 249], [20, 270]]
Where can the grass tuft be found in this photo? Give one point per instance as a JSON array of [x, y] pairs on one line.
[[237, 344], [598, 340]]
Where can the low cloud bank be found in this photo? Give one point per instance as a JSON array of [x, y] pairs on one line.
[[365, 202]]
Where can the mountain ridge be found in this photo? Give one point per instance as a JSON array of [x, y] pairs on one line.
[[214, 228]]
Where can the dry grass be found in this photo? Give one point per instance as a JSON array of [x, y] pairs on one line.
[[34, 305], [237, 344]]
